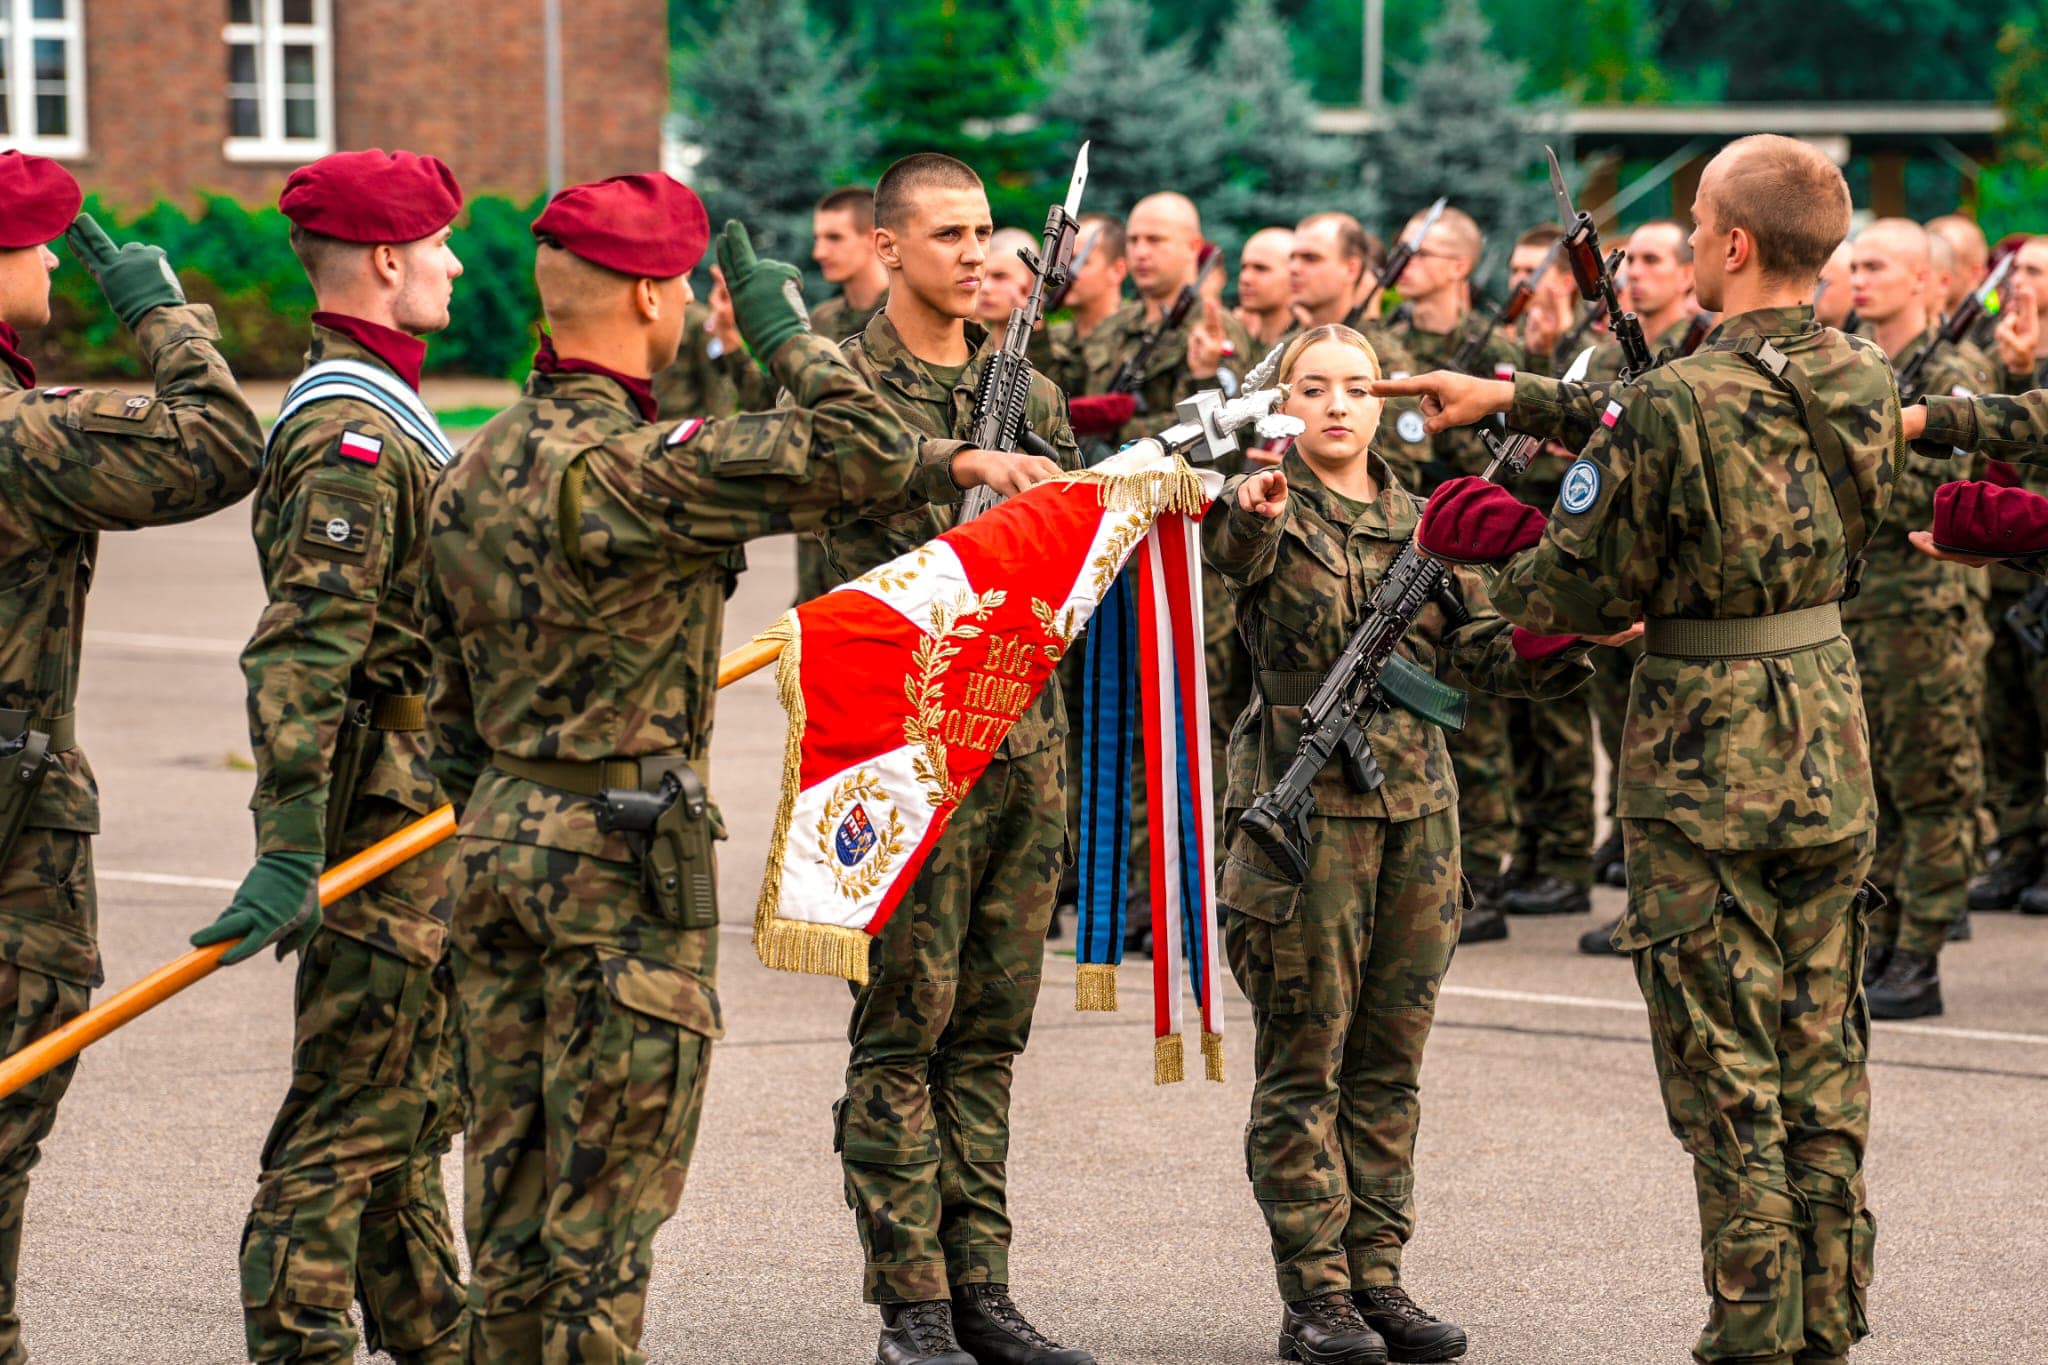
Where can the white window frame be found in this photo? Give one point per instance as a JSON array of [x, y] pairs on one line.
[[21, 30], [270, 35]]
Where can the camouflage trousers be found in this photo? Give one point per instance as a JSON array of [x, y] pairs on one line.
[[2013, 726], [587, 1023], [923, 1133], [1607, 693], [349, 1204], [49, 963], [1922, 683], [814, 575], [1483, 761], [1551, 744], [1342, 974], [1751, 964]]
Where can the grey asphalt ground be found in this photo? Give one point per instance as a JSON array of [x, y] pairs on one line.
[[1556, 1213]]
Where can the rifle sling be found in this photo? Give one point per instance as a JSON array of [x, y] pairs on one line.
[[1405, 684], [1834, 461]]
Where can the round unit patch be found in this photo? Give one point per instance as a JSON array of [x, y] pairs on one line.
[[1408, 426], [338, 530], [1581, 487]]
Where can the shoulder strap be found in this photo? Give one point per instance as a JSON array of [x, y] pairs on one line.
[[367, 384], [1834, 461]]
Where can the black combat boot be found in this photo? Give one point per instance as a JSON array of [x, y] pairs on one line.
[[1410, 1333], [1548, 894], [1875, 958], [1599, 940], [2015, 866], [991, 1327], [1959, 928], [1610, 864], [919, 1334], [1910, 987], [1483, 923], [2034, 900], [1326, 1330]]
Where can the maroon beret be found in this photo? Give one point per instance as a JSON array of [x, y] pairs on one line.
[[1472, 521], [1984, 519], [651, 227], [374, 197], [38, 200]]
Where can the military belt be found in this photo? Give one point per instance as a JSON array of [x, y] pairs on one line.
[[62, 730], [395, 711], [1748, 637], [583, 778]]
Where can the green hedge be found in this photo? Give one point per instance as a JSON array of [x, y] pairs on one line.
[[240, 260]]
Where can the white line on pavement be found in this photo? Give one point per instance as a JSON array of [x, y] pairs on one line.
[[167, 879], [1584, 1002], [181, 644]]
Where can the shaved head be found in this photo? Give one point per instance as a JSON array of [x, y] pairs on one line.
[[1453, 231], [1171, 210], [1965, 239], [1899, 237], [1161, 241], [1786, 195], [573, 291]]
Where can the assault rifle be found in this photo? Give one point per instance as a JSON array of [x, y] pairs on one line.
[[1695, 332], [1397, 262], [999, 403], [2028, 621], [1595, 275], [1131, 377], [1368, 675], [1979, 301], [1507, 315]]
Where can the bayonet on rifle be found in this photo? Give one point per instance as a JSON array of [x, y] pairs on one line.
[[1130, 378], [1976, 304], [1005, 390], [1397, 261], [1595, 275]]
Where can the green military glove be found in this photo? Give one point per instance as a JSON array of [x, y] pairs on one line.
[[767, 296], [279, 902], [135, 278]]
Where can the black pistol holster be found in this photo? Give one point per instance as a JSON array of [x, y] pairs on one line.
[[670, 824], [25, 760]]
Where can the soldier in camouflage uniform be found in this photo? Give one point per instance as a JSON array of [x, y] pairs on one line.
[[1342, 971], [577, 601], [923, 1132], [1435, 320], [349, 1205], [1920, 641], [73, 463], [1724, 496]]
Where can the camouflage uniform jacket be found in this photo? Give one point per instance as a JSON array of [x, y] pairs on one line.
[[75, 462], [902, 524], [1706, 498], [698, 383], [1458, 450], [1166, 380], [2004, 427], [1301, 582], [343, 619], [1897, 579], [1540, 485], [604, 643], [835, 319]]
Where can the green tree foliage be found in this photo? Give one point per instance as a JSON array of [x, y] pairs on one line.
[[956, 79], [1276, 168], [1833, 49], [1462, 132], [768, 107], [1151, 119], [2021, 87]]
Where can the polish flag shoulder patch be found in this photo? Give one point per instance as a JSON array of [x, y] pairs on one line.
[[61, 391], [684, 430], [1960, 392], [1503, 370], [1612, 415], [357, 446]]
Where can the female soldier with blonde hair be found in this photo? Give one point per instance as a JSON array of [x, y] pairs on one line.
[[1342, 971]]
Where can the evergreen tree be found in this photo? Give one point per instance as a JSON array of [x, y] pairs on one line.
[[1463, 133], [1277, 169], [957, 80], [1152, 122], [769, 109]]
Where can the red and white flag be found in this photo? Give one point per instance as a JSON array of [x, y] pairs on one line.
[[900, 686]]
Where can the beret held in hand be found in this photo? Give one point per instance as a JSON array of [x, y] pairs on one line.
[[1472, 521], [1099, 414], [1984, 519]]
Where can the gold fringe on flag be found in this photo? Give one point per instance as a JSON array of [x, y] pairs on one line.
[[784, 944], [1095, 987], [1212, 1055], [1152, 493], [1167, 1063]]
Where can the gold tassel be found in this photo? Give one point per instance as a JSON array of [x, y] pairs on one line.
[[1168, 1065], [787, 945], [1212, 1055], [1095, 987]]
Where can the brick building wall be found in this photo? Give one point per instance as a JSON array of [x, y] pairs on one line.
[[462, 79]]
